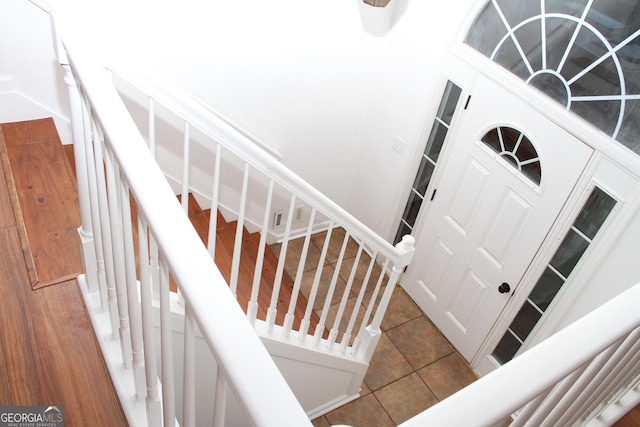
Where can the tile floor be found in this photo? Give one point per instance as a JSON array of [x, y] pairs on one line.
[[413, 367]]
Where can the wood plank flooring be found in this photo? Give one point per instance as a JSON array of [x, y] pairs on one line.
[[47, 195], [48, 352], [225, 241]]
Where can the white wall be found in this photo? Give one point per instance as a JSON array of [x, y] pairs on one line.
[[303, 76], [31, 81]]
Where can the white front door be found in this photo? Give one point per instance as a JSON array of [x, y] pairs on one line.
[[487, 220]]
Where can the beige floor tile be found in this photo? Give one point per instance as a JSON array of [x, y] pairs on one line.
[[420, 342], [306, 286], [387, 365], [363, 412], [294, 253], [401, 309], [335, 244], [360, 273], [364, 389], [346, 319], [405, 398], [321, 422], [447, 375]]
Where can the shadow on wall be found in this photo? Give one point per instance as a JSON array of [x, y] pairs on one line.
[[379, 16]]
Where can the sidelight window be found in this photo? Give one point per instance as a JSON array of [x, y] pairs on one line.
[[589, 221], [429, 159]]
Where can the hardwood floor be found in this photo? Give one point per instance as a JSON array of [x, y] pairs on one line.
[[632, 419], [46, 192], [48, 352]]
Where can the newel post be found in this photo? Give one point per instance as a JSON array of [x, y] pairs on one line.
[[79, 133], [371, 334]]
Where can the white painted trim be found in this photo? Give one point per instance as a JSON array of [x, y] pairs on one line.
[[619, 409], [612, 229], [43, 4], [7, 84], [134, 410], [31, 109], [553, 111]]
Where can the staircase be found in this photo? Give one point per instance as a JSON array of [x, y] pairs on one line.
[[188, 304], [225, 236]]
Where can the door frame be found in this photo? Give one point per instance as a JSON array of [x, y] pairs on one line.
[[463, 66]]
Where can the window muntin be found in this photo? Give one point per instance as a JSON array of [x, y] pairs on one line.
[[583, 54], [429, 159], [518, 150], [592, 216]]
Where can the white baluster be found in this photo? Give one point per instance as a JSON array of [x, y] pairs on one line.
[[615, 370], [78, 129], [289, 317], [93, 145], [556, 397], [153, 249], [133, 302], [189, 371], [252, 308], [166, 345], [220, 399], [237, 246], [335, 330], [105, 225], [152, 126], [184, 198], [115, 213], [406, 245], [151, 370], [215, 194], [332, 287], [371, 334], [546, 410], [306, 322], [367, 315], [273, 310], [356, 309]]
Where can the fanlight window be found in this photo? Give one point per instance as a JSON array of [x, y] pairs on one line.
[[585, 54], [514, 147]]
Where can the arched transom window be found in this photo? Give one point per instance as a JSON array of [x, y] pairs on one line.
[[585, 54]]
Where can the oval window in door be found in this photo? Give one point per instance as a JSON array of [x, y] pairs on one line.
[[518, 150]]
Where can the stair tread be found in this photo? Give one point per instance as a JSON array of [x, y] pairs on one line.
[[225, 242]]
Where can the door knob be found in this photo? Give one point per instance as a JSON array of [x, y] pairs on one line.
[[504, 288]]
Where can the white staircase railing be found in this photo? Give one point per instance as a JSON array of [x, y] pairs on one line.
[[133, 257], [250, 185], [114, 167], [587, 374]]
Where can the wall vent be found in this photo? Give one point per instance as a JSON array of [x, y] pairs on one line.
[[280, 218]]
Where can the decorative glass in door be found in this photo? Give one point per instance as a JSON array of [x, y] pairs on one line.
[[584, 54], [517, 150]]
